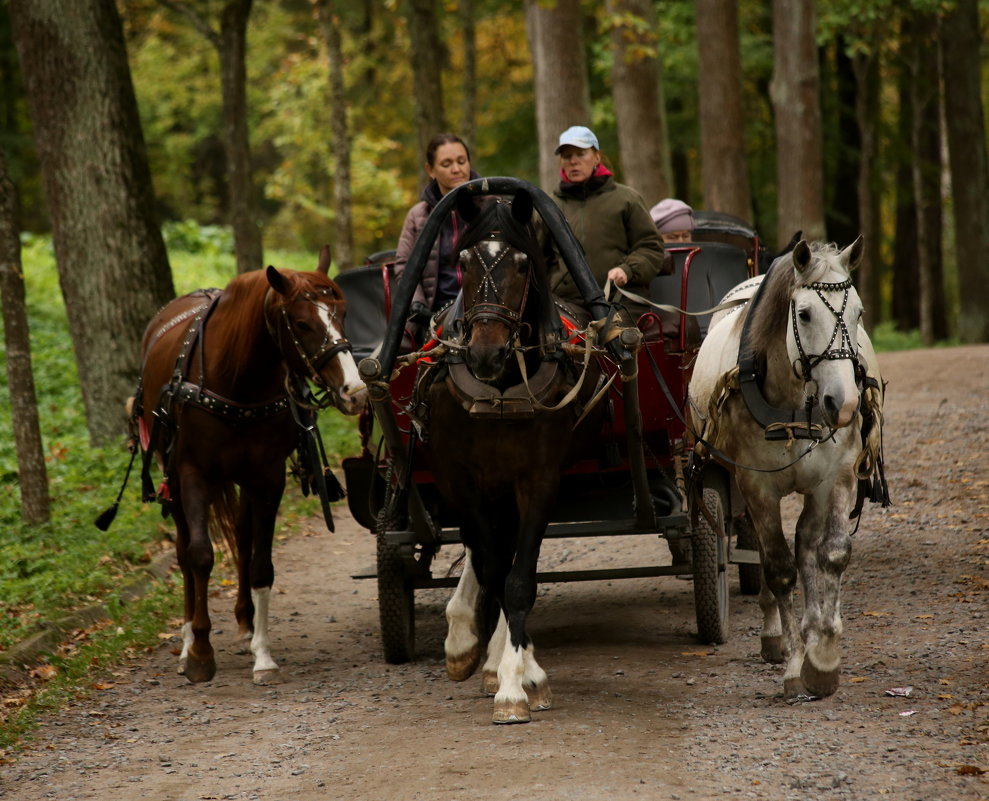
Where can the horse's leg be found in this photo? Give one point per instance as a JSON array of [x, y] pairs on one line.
[[244, 607], [195, 552], [496, 649], [257, 514], [462, 646], [522, 683], [780, 579], [772, 627], [825, 549]]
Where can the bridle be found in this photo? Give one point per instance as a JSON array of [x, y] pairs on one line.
[[844, 350], [487, 303], [325, 394]]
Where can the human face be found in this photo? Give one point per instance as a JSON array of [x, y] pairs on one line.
[[677, 236], [579, 163], [450, 167]]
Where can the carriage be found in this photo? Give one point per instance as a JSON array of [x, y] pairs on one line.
[[635, 480]]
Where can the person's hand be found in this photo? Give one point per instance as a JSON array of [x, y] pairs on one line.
[[617, 276], [419, 313]]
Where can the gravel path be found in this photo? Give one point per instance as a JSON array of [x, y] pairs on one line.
[[641, 710]]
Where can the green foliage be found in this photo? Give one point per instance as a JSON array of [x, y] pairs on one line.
[[885, 337]]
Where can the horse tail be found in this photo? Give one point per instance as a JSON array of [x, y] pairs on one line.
[[223, 520]]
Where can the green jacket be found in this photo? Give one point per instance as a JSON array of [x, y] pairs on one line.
[[612, 224]]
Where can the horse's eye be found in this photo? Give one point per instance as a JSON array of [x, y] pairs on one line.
[[804, 315], [304, 327]]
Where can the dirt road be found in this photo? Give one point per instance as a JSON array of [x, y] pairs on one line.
[[641, 710]]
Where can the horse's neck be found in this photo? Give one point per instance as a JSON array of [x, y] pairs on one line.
[[781, 387], [243, 362]]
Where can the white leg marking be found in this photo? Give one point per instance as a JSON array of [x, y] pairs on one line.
[[186, 645], [461, 614], [260, 643], [511, 671]]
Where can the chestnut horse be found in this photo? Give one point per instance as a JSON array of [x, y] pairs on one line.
[[497, 440], [221, 372]]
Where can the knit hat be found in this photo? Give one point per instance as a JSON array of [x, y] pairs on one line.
[[577, 136], [672, 215]]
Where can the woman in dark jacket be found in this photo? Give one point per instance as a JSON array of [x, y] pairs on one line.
[[609, 219], [448, 166]]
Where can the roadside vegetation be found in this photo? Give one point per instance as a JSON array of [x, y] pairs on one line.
[[48, 571]]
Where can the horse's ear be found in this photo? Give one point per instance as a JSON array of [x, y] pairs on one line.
[[851, 256], [466, 207], [801, 255], [522, 207], [278, 281], [323, 266]]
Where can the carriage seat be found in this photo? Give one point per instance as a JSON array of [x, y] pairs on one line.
[[714, 268]]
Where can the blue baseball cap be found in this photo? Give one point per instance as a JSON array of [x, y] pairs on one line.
[[577, 136]]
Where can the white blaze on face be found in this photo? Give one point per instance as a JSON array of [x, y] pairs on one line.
[[352, 382]]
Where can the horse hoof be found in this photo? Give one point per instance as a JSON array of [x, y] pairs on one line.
[[772, 650], [197, 672], [794, 690], [540, 697], [489, 682], [461, 668], [820, 683], [262, 678], [511, 712]]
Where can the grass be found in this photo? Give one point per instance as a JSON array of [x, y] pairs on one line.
[[49, 570]]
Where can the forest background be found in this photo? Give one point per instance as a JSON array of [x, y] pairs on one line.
[[292, 123]]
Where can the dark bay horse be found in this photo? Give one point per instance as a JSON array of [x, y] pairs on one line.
[[497, 441], [214, 410]]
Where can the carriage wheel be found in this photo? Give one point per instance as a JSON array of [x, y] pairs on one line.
[[396, 597], [749, 576], [710, 551]]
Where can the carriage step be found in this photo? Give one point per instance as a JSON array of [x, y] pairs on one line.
[[744, 556]]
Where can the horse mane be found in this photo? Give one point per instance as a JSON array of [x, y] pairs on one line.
[[243, 304], [771, 316]]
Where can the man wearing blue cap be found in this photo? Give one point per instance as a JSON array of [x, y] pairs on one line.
[[609, 219]]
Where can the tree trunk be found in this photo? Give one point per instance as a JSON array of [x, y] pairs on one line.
[[35, 504], [112, 263], [560, 77], [795, 94], [926, 141], [635, 88], [960, 47], [906, 277], [233, 80], [231, 47], [343, 247], [843, 143], [427, 71], [724, 174], [468, 116], [866, 68]]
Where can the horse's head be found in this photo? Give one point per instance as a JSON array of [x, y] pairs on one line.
[[498, 249], [305, 315], [825, 311]]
